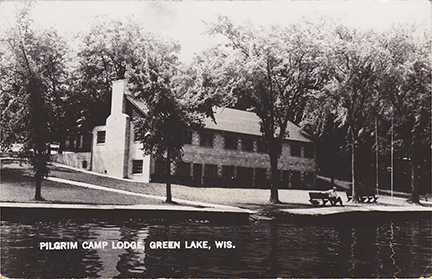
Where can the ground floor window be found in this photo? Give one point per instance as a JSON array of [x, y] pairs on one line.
[[210, 170], [137, 166], [160, 166], [296, 179], [228, 172], [244, 177], [309, 177], [260, 175], [183, 169]]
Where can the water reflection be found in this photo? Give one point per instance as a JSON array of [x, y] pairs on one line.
[[270, 249]]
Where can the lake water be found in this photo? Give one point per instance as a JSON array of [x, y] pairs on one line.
[[378, 248]]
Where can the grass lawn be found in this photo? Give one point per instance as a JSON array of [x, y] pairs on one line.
[[17, 185]]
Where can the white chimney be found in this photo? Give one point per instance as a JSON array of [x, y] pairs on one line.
[[117, 133], [118, 105]]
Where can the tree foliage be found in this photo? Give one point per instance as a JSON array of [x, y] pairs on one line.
[[32, 90], [358, 64], [273, 72], [406, 87], [106, 53], [375, 75], [169, 117]]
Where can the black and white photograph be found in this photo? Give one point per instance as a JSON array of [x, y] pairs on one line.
[[215, 139]]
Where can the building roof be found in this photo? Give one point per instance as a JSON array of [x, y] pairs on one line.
[[246, 122], [234, 121]]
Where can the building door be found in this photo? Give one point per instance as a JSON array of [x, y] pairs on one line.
[[296, 179], [197, 175], [244, 177]]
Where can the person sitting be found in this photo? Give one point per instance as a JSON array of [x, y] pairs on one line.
[[334, 195]]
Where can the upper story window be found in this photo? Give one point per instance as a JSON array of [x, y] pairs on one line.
[[101, 137], [309, 152], [206, 140], [136, 136], [247, 144], [189, 137], [230, 142], [295, 150], [261, 146]]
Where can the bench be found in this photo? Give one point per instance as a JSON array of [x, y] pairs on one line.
[[324, 197], [363, 197]]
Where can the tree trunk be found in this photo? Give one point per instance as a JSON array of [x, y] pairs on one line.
[[353, 186], [168, 178], [38, 195], [414, 180], [274, 195]]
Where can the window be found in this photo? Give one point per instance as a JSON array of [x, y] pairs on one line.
[[244, 177], [309, 152], [247, 144], [285, 176], [295, 150], [295, 179], [101, 135], [260, 175], [228, 172], [230, 142], [160, 167], [206, 140], [309, 177], [78, 142], [261, 146], [137, 166], [210, 170], [183, 169], [189, 137], [136, 135]]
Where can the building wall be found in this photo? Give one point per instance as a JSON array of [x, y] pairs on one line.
[[81, 160], [104, 158], [99, 151], [136, 153], [247, 162]]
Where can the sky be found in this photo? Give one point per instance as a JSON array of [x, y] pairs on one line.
[[184, 21]]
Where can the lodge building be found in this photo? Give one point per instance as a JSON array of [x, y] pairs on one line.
[[227, 152]]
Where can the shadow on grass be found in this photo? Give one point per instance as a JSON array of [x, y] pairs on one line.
[[16, 175]]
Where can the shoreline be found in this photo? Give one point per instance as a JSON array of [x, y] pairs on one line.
[[69, 189]]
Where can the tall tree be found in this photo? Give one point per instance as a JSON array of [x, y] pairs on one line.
[[273, 72], [171, 110], [105, 53], [407, 89], [32, 76], [123, 50], [358, 64]]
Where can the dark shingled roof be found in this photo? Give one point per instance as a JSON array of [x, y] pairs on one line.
[[234, 121]]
